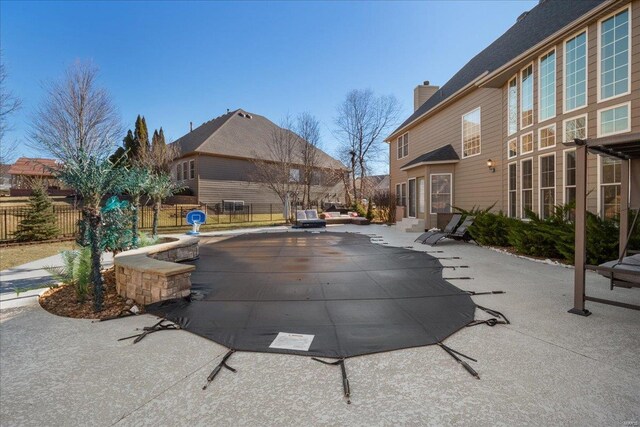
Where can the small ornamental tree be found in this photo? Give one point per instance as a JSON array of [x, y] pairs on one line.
[[159, 187], [135, 184], [40, 220]]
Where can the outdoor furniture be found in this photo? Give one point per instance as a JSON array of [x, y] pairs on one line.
[[623, 273], [450, 228], [309, 219], [461, 233], [337, 218]]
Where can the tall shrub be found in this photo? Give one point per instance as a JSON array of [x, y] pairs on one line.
[[40, 220]]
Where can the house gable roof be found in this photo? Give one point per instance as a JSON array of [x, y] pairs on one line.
[[239, 134], [545, 19], [34, 167], [446, 154]]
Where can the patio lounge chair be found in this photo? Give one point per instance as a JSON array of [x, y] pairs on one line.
[[461, 233], [624, 273], [450, 228], [309, 219]]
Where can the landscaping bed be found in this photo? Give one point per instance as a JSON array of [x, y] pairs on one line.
[[62, 301]]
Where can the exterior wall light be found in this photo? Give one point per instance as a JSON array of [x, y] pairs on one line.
[[491, 165]]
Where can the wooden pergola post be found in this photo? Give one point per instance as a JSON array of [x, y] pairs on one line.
[[581, 231]]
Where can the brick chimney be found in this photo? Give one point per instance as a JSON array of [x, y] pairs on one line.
[[423, 92]]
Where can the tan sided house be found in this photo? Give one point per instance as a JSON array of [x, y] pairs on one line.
[[501, 129], [218, 163]]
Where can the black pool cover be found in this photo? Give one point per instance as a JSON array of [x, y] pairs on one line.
[[353, 296]]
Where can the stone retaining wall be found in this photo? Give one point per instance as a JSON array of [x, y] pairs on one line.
[[152, 274]]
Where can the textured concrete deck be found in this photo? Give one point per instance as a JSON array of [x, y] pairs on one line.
[[547, 368]]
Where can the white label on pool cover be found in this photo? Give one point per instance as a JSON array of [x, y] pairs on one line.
[[289, 341]]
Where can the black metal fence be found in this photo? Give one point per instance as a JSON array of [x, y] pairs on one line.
[[169, 217]]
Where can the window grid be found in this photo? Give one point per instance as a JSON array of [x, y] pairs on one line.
[[526, 96], [513, 177], [547, 86], [192, 169], [576, 72], [526, 143], [526, 186], [547, 185], [403, 146], [512, 148], [614, 120], [575, 128], [547, 137], [614, 55], [610, 179], [570, 181], [513, 106], [441, 193], [471, 133]]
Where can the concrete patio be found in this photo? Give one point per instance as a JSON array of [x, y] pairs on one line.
[[547, 368]]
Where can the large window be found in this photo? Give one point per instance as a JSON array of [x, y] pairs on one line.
[[471, 133], [401, 194], [614, 55], [547, 86], [513, 182], [192, 169], [512, 148], [610, 179], [614, 120], [575, 77], [546, 137], [526, 143], [179, 172], [441, 200], [412, 198], [570, 180], [575, 128], [184, 171], [526, 96], [403, 146], [512, 100], [547, 185], [420, 196], [526, 186]]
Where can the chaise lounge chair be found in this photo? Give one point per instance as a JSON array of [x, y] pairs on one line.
[[309, 219], [450, 228], [461, 233]]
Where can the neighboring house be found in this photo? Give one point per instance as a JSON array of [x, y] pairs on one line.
[[498, 130], [5, 179], [374, 184], [217, 162], [26, 170]]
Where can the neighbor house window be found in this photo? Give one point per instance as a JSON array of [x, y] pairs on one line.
[[547, 137], [179, 171], [441, 200], [547, 185], [231, 206], [570, 180], [610, 179], [614, 56], [294, 175], [575, 128], [184, 170], [192, 169], [512, 100], [403, 146], [471, 133], [526, 96], [513, 181], [575, 77], [512, 148], [547, 86], [614, 120], [526, 186], [526, 143]]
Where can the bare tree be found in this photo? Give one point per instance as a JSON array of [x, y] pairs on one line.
[[76, 116], [308, 129], [9, 104], [279, 169], [363, 120]]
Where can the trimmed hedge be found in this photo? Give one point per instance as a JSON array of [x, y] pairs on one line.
[[551, 237]]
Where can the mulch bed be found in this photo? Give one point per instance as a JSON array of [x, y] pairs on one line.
[[62, 301]]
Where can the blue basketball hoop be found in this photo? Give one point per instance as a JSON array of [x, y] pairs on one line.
[[196, 218]]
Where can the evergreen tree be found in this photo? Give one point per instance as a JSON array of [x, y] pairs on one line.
[[141, 136], [40, 220], [134, 146]]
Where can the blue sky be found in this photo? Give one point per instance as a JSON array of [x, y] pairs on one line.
[[176, 62]]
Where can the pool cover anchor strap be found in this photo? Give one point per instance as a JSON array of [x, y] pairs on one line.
[[345, 379], [453, 353], [159, 326], [217, 369], [485, 293], [495, 313]]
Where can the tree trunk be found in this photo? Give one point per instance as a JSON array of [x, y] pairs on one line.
[[353, 178], [135, 239], [156, 214], [95, 229]]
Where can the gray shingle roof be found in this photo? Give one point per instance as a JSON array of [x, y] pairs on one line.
[[442, 154], [234, 134], [539, 23]]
